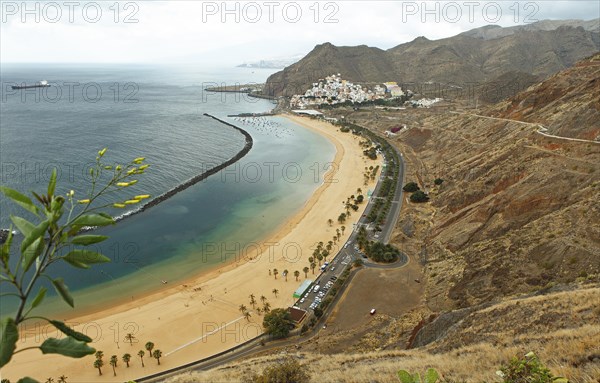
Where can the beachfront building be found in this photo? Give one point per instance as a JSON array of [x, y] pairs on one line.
[[425, 102], [302, 289]]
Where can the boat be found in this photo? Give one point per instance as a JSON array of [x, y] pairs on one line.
[[41, 84]]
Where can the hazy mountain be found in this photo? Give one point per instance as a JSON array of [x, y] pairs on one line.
[[474, 57], [278, 63]]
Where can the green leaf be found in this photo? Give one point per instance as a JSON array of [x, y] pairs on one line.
[[63, 290], [32, 253], [83, 258], [27, 379], [86, 240], [68, 346], [8, 343], [70, 332], [93, 220], [405, 376], [431, 376], [34, 234], [20, 199], [5, 249], [39, 297], [23, 225], [52, 183]]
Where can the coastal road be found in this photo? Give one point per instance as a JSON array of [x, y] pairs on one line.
[[394, 213], [335, 268]]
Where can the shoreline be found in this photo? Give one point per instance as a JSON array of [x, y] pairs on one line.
[[207, 302]]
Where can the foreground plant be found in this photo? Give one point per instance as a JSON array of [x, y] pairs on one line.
[[53, 237], [528, 370], [431, 376]]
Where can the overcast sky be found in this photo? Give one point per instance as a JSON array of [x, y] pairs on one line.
[[232, 32]]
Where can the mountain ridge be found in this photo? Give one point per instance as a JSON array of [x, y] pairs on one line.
[[534, 49]]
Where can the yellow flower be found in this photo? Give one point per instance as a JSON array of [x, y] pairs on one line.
[[119, 205], [143, 196], [131, 201], [123, 184], [139, 160], [132, 182], [83, 201], [131, 171], [71, 193], [144, 167], [118, 168], [101, 152]]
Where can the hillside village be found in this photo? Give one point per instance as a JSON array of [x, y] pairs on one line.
[[334, 90]]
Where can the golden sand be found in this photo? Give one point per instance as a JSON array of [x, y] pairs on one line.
[[201, 317]]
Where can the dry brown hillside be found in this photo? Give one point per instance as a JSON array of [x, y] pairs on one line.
[[563, 328], [568, 103], [506, 252], [479, 56]]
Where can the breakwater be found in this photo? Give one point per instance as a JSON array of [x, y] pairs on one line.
[[194, 180]]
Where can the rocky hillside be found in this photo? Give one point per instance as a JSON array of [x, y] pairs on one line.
[[508, 247], [477, 56], [567, 104]]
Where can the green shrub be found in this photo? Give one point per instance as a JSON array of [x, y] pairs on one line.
[[528, 370], [411, 187]]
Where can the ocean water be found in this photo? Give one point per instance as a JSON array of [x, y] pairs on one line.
[[155, 112]]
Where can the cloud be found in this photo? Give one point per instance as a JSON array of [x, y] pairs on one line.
[[232, 32]]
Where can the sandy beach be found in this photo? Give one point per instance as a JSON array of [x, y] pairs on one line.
[[200, 317]]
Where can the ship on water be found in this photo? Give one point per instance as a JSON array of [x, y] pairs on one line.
[[41, 84]]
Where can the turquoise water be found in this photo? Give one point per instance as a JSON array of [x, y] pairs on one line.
[[196, 229]]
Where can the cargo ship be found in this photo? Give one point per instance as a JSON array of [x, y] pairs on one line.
[[41, 84]]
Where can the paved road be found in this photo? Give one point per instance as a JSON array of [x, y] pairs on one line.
[[337, 265]]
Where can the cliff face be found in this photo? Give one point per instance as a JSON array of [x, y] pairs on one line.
[[476, 56]]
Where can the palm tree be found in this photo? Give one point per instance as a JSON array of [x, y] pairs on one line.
[[275, 272], [157, 354], [320, 245], [242, 309], [149, 347], [98, 363], [330, 222], [359, 191], [141, 354], [99, 354], [62, 379], [343, 228], [263, 299], [127, 358], [313, 266], [113, 363], [285, 274], [311, 259], [305, 269], [275, 291], [320, 258], [130, 338], [337, 231], [247, 315], [259, 311], [325, 255], [329, 245], [252, 300], [267, 307], [50, 380], [296, 274]]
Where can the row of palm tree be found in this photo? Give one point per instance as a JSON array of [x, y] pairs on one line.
[[61, 379], [126, 358]]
